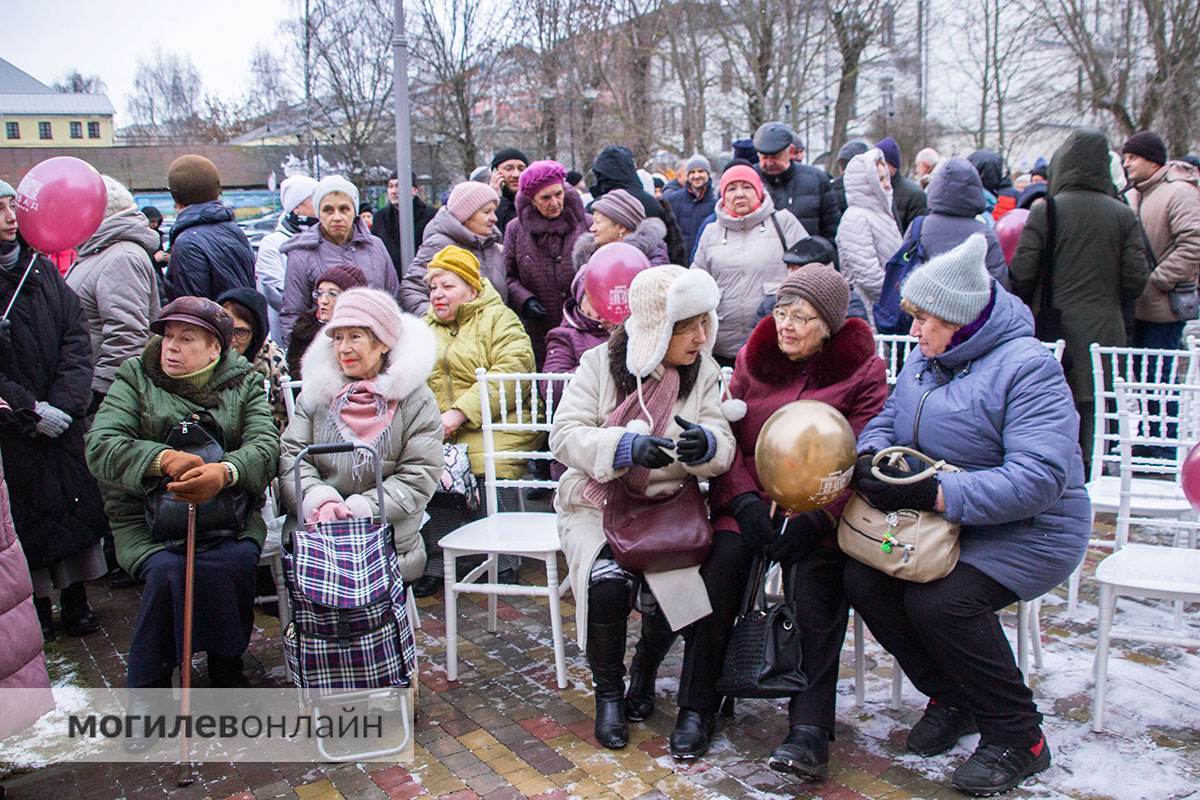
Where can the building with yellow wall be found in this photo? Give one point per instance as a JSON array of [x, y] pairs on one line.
[[34, 115]]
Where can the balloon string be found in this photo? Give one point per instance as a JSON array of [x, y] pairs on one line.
[[21, 283]]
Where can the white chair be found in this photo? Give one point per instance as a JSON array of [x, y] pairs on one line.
[[290, 389], [1141, 570], [893, 348], [515, 399]]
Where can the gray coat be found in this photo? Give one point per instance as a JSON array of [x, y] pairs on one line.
[[442, 231], [114, 277], [411, 448], [955, 200]]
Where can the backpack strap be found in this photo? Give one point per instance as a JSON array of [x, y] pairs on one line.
[[1048, 256]]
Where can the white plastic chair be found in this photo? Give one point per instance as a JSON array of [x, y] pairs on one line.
[[893, 348], [528, 534], [1152, 571], [290, 389]]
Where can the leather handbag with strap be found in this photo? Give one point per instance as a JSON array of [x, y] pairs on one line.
[[763, 657], [917, 546], [660, 533]]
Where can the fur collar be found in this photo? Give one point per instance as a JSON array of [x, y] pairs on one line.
[[228, 374], [624, 380], [572, 217], [841, 356], [409, 365], [649, 234]]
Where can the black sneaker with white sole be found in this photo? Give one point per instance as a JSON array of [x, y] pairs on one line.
[[994, 769]]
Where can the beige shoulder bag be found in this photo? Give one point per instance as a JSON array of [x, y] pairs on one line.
[[917, 546]]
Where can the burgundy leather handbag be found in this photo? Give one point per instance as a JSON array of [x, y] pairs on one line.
[[660, 533]]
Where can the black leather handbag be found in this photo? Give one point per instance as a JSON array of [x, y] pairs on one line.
[[224, 516], [763, 656]]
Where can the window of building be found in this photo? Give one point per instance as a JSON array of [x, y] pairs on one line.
[[12, 130], [727, 76], [44, 131], [76, 130], [887, 25], [93, 130], [887, 96]]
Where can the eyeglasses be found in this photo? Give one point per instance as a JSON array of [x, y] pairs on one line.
[[242, 334], [330, 293], [798, 320]]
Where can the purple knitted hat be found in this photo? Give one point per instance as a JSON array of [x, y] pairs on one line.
[[539, 175]]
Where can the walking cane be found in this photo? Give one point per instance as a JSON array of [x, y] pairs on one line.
[[187, 775]]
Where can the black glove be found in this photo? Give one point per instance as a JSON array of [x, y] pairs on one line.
[[533, 309], [862, 468], [692, 445], [802, 534], [646, 451], [920, 496], [754, 519]]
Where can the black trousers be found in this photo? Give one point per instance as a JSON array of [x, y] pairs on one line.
[[949, 641], [815, 582]]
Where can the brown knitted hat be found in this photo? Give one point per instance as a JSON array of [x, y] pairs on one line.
[[823, 287], [193, 179], [345, 276]]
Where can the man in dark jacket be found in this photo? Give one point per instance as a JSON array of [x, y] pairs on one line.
[[990, 166], [507, 166], [209, 253], [387, 221], [908, 200], [695, 201], [1037, 188], [615, 168], [805, 191], [1099, 260]]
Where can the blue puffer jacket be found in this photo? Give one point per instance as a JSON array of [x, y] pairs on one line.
[[209, 253], [998, 407], [955, 198], [691, 211]]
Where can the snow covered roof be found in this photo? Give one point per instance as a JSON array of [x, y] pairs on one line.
[[55, 103]]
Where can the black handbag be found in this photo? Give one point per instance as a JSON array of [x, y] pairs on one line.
[[763, 658], [224, 516], [1047, 323]]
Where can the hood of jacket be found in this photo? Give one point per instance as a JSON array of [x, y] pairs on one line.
[[1032, 193], [615, 168], [574, 317], [765, 209], [470, 309], [837, 360], [1081, 164], [409, 365], [990, 166], [447, 224], [256, 305], [129, 225], [862, 183], [647, 236], [210, 213], [1010, 319], [956, 190], [311, 238], [1171, 172]]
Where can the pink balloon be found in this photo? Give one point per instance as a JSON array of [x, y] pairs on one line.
[[1008, 231], [609, 272], [1191, 476], [60, 203]]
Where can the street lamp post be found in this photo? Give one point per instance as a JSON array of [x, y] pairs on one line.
[[403, 145]]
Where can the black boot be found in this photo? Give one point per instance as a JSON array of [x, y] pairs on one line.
[[940, 729], [426, 585], [653, 646], [804, 753], [606, 658], [693, 733], [77, 617], [45, 612], [144, 702], [225, 672], [994, 769]]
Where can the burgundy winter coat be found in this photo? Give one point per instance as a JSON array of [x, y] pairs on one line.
[[846, 374], [537, 260], [567, 343]]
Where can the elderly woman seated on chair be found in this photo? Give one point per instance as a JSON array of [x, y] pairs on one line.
[[364, 383], [473, 328], [190, 372]]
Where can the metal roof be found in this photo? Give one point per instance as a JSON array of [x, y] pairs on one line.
[[55, 103], [16, 81]]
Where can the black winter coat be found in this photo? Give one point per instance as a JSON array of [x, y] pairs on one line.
[[808, 193], [47, 355], [387, 228], [506, 210], [614, 169], [691, 211], [908, 200], [209, 253]]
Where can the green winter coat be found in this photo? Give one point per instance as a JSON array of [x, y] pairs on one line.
[[142, 406], [1099, 261], [485, 333]]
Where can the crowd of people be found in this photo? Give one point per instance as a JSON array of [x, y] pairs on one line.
[[771, 267]]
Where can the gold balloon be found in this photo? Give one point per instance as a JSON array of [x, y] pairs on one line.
[[805, 455]]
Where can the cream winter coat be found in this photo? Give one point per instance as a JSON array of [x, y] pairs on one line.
[[412, 452], [867, 236], [745, 257], [1168, 204], [582, 441]]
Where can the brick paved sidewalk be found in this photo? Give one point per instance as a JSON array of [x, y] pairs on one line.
[[503, 730]]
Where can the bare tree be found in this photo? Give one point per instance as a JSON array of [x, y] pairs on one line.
[[690, 27], [166, 89], [75, 82], [855, 25], [270, 88]]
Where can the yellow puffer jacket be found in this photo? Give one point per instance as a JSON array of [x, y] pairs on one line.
[[485, 333]]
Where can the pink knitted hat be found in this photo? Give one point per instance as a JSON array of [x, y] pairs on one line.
[[539, 175], [370, 309], [468, 197]]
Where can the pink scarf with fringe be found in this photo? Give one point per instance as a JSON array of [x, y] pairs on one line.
[[360, 414]]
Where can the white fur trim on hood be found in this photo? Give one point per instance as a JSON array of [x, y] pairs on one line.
[[409, 364]]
